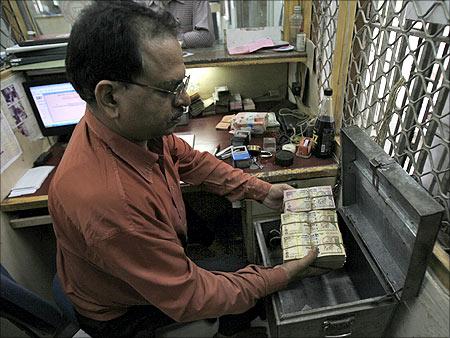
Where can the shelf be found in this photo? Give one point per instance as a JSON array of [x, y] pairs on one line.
[[216, 56]]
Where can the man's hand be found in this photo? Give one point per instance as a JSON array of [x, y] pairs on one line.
[[274, 198], [300, 268]]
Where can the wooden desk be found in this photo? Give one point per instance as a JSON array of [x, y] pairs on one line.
[[205, 133]]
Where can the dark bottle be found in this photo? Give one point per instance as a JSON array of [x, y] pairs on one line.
[[323, 134]]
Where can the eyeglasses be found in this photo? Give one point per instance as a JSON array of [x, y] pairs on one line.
[[181, 87]]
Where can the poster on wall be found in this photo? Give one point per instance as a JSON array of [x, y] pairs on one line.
[[16, 108], [10, 149]]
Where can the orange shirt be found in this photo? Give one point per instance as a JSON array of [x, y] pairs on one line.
[[120, 226]]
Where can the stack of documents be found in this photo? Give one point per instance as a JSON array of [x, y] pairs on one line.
[[310, 219], [31, 181]]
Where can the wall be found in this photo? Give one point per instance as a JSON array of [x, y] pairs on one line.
[[249, 81], [55, 24]]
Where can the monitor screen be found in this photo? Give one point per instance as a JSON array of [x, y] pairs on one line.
[[56, 105]]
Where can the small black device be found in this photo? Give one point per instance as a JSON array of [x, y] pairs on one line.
[[284, 158]]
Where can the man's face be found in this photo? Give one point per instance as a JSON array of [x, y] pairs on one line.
[[145, 112]]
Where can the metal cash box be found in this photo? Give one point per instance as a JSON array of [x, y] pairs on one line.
[[389, 224]]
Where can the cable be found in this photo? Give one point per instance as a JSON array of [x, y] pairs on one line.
[[292, 131]]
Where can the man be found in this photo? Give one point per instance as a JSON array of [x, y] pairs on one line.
[[115, 198], [194, 17]]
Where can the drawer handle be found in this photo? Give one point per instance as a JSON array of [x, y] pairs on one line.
[[334, 326], [348, 334]]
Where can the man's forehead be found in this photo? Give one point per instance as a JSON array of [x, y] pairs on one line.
[[162, 58]]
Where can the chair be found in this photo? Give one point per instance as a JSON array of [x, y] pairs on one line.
[[63, 303], [31, 313]]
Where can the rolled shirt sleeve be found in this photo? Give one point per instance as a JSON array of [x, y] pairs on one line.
[[217, 176]]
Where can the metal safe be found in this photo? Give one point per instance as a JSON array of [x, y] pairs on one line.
[[389, 224]]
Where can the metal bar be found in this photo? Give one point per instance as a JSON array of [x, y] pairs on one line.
[[401, 53], [411, 32], [391, 80], [445, 179], [353, 93], [417, 94], [378, 70], [431, 130]]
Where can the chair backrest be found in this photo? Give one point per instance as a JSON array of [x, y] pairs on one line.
[[30, 312], [27, 310], [62, 301]]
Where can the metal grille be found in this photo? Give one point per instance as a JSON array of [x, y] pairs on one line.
[[398, 88], [323, 34]]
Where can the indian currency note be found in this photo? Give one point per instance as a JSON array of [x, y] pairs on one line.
[[327, 226], [294, 217], [295, 229], [295, 194], [298, 205], [296, 252], [331, 250], [321, 191], [328, 242], [315, 216], [326, 236], [324, 202], [295, 240]]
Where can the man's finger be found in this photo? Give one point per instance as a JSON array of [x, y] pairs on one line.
[[306, 261]]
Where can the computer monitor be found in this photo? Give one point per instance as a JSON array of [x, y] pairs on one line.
[[56, 105]]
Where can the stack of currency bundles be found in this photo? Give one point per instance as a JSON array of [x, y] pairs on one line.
[[310, 219]]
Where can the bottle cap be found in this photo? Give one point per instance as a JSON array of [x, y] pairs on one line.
[[297, 8], [328, 91]]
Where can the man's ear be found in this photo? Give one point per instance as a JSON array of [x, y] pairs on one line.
[[106, 97]]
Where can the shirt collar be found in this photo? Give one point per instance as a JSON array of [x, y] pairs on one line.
[[140, 158]]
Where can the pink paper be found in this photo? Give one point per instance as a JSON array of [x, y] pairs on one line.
[[252, 46]]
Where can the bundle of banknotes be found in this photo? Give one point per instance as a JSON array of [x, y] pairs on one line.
[[310, 219]]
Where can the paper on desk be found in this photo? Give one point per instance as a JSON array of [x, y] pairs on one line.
[[251, 47], [248, 40], [188, 138], [31, 181], [208, 147]]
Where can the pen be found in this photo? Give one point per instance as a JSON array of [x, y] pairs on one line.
[[216, 150]]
